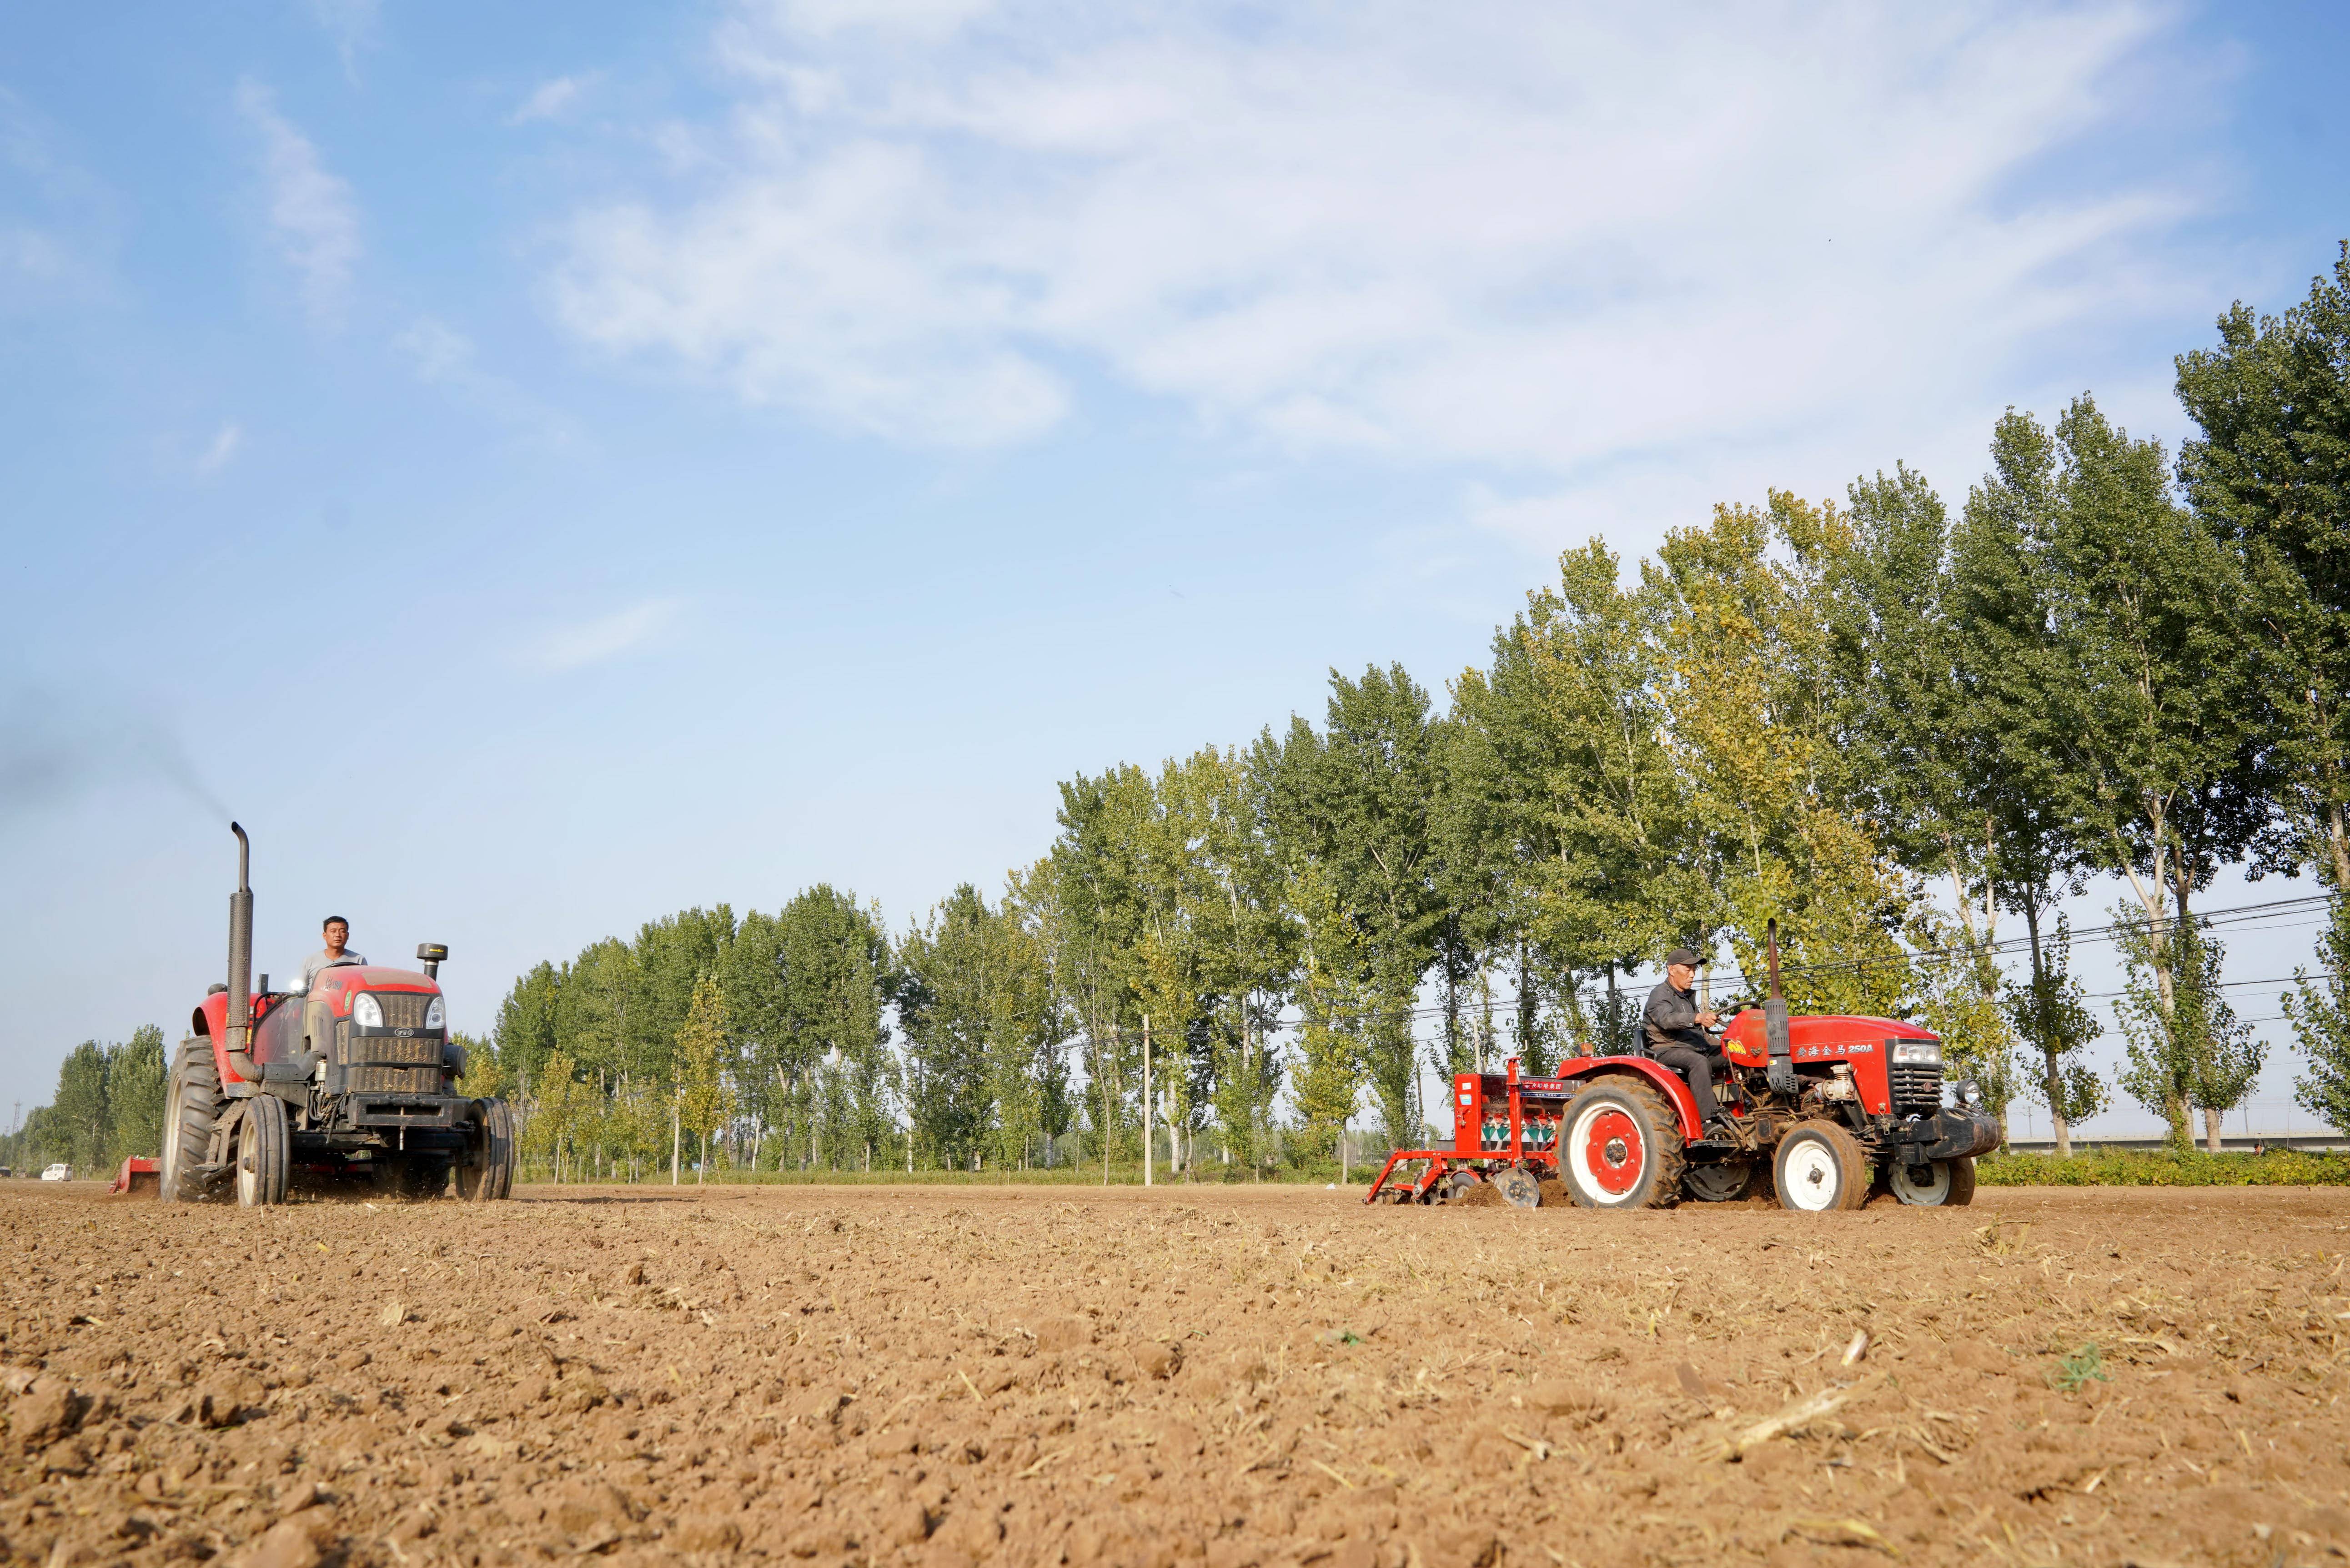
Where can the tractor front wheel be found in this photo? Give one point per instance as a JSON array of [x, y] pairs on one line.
[[1949, 1184], [490, 1175], [1819, 1167], [190, 1114], [264, 1152], [1621, 1148]]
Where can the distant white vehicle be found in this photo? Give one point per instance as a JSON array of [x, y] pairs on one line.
[[60, 1171]]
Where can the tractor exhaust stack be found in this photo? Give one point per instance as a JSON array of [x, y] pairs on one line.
[[1775, 1021], [240, 961]]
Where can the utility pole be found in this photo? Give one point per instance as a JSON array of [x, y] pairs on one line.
[[1150, 1106]]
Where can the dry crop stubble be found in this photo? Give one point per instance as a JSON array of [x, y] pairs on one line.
[[1267, 1376]]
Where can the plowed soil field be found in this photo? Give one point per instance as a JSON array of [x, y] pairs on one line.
[[1206, 1377]]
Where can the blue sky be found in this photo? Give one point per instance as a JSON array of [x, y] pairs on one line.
[[541, 467]]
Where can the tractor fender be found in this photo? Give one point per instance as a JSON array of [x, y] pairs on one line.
[[1583, 1069], [210, 1021]]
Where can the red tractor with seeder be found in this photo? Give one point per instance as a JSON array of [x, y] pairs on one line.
[[1817, 1111], [353, 1077]]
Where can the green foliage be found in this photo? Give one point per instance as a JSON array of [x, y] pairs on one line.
[[2186, 1048], [107, 1107], [983, 1033], [2319, 1009], [2078, 1370], [2047, 1010], [2170, 1167], [2271, 474]]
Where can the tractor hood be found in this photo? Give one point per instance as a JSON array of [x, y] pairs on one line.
[[333, 987], [1818, 1036]]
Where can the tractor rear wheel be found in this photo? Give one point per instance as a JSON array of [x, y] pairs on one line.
[[264, 1152], [1949, 1184], [191, 1111], [490, 1176], [1621, 1147], [1819, 1168]]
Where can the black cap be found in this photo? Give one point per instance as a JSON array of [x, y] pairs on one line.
[[1681, 955]]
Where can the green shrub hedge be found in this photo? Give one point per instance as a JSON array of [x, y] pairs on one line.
[[2164, 1167]]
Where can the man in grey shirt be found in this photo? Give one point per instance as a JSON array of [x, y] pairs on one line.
[[1673, 1026], [337, 950]]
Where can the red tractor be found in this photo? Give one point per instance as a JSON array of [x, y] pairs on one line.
[[1818, 1111], [354, 1077]]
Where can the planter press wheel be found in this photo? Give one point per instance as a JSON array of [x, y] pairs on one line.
[[1819, 1168], [1723, 1182], [1621, 1147], [1949, 1184], [1518, 1187]]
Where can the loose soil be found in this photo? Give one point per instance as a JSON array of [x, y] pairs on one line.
[[1183, 1377]]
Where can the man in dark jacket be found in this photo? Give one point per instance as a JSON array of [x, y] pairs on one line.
[[1673, 1026]]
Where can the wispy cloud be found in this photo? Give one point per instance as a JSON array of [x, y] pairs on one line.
[[1554, 242], [57, 224], [444, 357], [605, 638], [550, 99], [311, 211], [351, 25], [217, 455]]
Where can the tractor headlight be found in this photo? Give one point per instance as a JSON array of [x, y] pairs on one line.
[[1918, 1053], [1969, 1094], [366, 1013], [435, 1013]]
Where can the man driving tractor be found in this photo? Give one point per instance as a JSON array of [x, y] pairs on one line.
[[1673, 1026]]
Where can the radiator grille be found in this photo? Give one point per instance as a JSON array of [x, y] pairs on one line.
[[403, 1009], [1916, 1086], [387, 1050], [395, 1080]]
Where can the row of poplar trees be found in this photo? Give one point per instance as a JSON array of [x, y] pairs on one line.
[[1906, 730]]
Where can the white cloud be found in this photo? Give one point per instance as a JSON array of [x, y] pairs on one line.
[[351, 23], [605, 638], [1547, 240], [444, 357], [217, 455], [57, 224], [310, 209], [550, 100]]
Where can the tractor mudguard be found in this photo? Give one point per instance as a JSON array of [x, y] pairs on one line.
[[1583, 1069]]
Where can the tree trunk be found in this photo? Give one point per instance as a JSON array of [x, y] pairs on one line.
[[2211, 1129]]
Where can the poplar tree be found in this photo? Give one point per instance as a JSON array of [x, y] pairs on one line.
[[1355, 800], [2153, 720], [705, 1097]]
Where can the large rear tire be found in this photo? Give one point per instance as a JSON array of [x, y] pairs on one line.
[[191, 1111], [1819, 1168], [1949, 1184], [1621, 1147], [264, 1152]]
